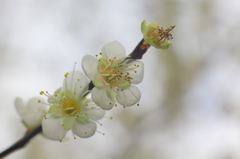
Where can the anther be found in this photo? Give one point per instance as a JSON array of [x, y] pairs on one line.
[[42, 92], [124, 106], [85, 132], [111, 117], [39, 101], [66, 74], [60, 140], [138, 104], [78, 79], [80, 86]]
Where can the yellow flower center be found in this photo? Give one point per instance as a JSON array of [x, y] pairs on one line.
[[70, 108], [114, 73]]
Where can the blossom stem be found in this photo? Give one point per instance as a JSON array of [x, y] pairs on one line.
[[139, 50], [22, 142]]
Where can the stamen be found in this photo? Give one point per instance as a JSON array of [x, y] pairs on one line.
[[100, 132], [74, 135], [73, 75]]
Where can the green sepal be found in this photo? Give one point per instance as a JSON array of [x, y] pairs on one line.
[[68, 123], [52, 109], [124, 85], [111, 93], [165, 45], [25, 124], [98, 84]]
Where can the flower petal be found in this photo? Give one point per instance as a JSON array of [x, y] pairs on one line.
[[96, 113], [103, 98], [129, 96], [52, 99], [33, 105], [138, 76], [32, 119], [76, 82], [144, 27], [31, 114], [113, 49], [89, 66], [53, 129], [84, 128], [19, 106]]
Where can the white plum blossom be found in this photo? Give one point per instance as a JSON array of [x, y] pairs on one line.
[[31, 114], [71, 110], [113, 75]]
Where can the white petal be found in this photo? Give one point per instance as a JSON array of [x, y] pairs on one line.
[[33, 105], [33, 113], [96, 113], [53, 129], [71, 82], [138, 76], [19, 106], [89, 66], [129, 96], [113, 49], [33, 119], [102, 98], [84, 128]]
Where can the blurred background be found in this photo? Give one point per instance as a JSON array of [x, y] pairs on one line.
[[190, 104]]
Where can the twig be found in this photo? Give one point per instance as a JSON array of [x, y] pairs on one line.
[[22, 142]]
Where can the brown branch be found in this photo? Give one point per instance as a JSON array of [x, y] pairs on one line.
[[22, 142]]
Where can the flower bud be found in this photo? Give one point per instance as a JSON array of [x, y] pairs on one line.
[[156, 36]]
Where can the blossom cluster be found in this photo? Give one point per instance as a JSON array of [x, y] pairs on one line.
[[109, 78]]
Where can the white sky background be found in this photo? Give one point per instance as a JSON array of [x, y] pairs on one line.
[[41, 40]]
